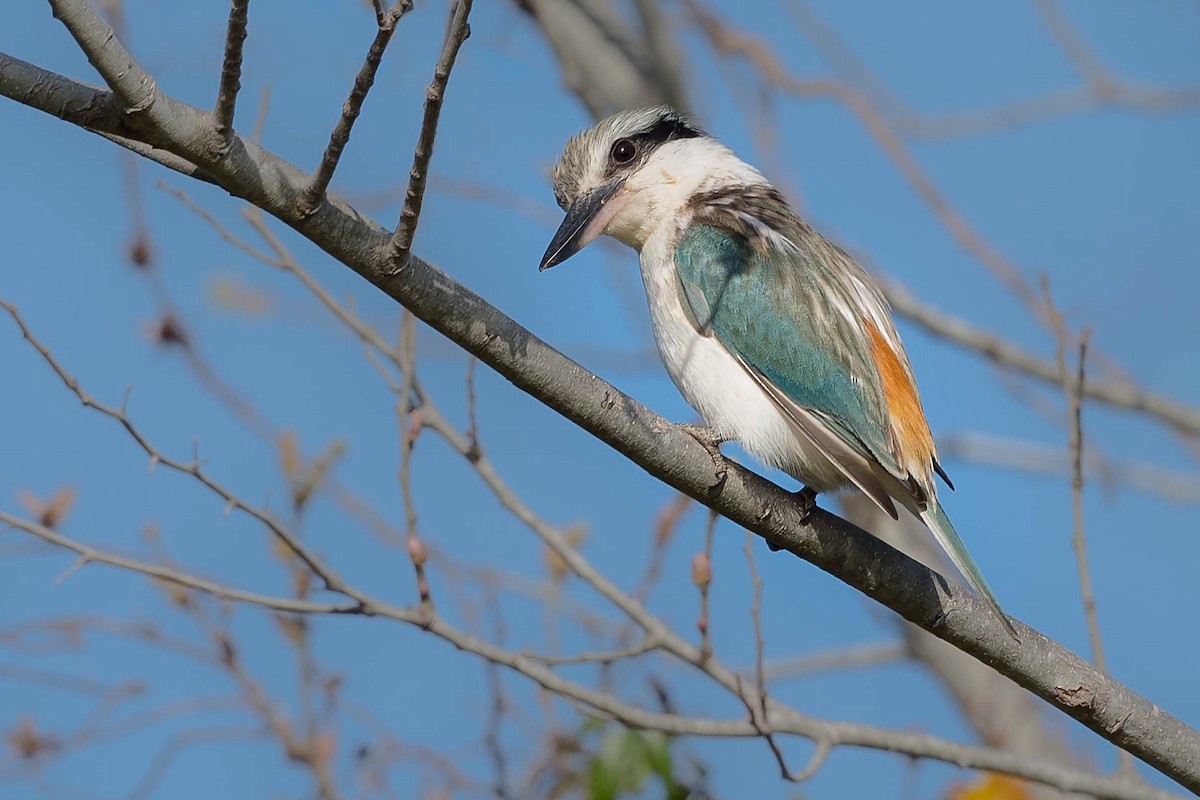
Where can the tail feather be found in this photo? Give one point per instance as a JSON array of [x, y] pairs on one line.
[[934, 517]]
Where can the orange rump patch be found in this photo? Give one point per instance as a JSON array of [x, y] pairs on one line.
[[904, 406]]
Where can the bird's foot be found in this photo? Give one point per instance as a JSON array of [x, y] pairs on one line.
[[711, 441], [807, 500]]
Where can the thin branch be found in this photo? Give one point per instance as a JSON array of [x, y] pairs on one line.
[[168, 160], [839, 660], [647, 645], [1034, 457], [664, 531], [702, 574], [89, 555], [1073, 45], [136, 88], [759, 713], [1073, 390], [410, 419], [172, 748], [231, 67], [64, 682], [472, 416], [260, 119], [457, 32], [353, 105], [496, 711]]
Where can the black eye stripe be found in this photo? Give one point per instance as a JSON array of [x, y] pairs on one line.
[[667, 129]]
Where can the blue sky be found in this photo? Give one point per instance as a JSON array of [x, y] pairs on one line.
[[1103, 204]]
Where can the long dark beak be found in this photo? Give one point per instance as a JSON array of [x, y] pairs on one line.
[[586, 219]]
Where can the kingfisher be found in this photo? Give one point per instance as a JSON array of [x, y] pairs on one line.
[[775, 335]]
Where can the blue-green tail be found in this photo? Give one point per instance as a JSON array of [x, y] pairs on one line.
[[947, 537]]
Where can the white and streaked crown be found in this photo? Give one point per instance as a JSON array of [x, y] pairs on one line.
[[653, 161]]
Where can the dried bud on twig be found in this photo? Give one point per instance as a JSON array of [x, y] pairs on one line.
[[701, 570], [418, 553]]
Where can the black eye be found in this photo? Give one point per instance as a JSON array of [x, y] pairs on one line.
[[623, 151]]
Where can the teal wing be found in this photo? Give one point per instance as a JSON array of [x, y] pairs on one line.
[[778, 311]]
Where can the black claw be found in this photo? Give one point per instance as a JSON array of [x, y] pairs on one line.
[[807, 498]]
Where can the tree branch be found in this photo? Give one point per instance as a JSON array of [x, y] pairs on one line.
[[231, 67], [457, 31], [133, 85], [88, 555]]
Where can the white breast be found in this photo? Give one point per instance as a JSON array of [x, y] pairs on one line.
[[716, 385]]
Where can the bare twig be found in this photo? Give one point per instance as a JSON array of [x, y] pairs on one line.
[[496, 712], [158, 156], [231, 67], [472, 417], [1073, 45], [91, 555], [647, 645], [411, 422], [702, 573], [457, 31], [841, 659], [52, 679], [759, 715], [260, 119], [1073, 390], [1026, 456], [138, 93], [353, 105], [664, 531], [157, 766]]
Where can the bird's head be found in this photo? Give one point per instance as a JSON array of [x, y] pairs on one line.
[[625, 175]]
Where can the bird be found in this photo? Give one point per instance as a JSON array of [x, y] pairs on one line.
[[775, 335]]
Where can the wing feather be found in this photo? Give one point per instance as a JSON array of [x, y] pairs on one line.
[[793, 309], [848, 459]]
